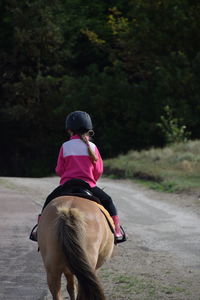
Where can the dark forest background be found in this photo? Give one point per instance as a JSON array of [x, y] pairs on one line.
[[122, 61]]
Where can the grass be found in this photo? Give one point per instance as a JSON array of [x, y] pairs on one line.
[[7, 184], [135, 285], [174, 168], [128, 286]]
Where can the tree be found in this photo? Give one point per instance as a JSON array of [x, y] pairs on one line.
[[122, 63]]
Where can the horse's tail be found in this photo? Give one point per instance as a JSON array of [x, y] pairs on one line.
[[71, 228]]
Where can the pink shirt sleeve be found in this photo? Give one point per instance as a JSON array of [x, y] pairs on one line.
[[98, 166], [60, 168]]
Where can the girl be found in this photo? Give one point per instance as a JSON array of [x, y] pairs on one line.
[[79, 158]]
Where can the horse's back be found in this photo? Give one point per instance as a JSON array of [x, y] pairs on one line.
[[98, 238]]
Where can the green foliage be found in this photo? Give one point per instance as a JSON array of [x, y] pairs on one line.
[[121, 62], [171, 127]]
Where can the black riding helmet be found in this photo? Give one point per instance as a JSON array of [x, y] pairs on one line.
[[79, 122]]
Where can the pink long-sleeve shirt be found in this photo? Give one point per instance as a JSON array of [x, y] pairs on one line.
[[75, 162]]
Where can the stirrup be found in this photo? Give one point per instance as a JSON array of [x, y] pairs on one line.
[[33, 235], [124, 237]]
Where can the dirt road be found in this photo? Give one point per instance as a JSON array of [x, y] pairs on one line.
[[161, 259]]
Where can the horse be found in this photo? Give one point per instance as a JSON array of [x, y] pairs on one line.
[[74, 239]]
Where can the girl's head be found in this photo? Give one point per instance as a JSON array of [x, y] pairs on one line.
[[79, 122]]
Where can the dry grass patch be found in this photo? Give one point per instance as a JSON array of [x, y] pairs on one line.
[[173, 168]]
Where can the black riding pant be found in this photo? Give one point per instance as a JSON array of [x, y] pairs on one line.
[[56, 193], [105, 199]]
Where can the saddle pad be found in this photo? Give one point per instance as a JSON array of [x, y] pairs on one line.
[[108, 217]]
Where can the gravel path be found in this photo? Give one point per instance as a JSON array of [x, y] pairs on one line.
[[161, 259]]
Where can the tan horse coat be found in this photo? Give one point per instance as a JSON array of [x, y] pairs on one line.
[[75, 240]]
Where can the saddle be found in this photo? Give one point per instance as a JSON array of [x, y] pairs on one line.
[[79, 188]]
